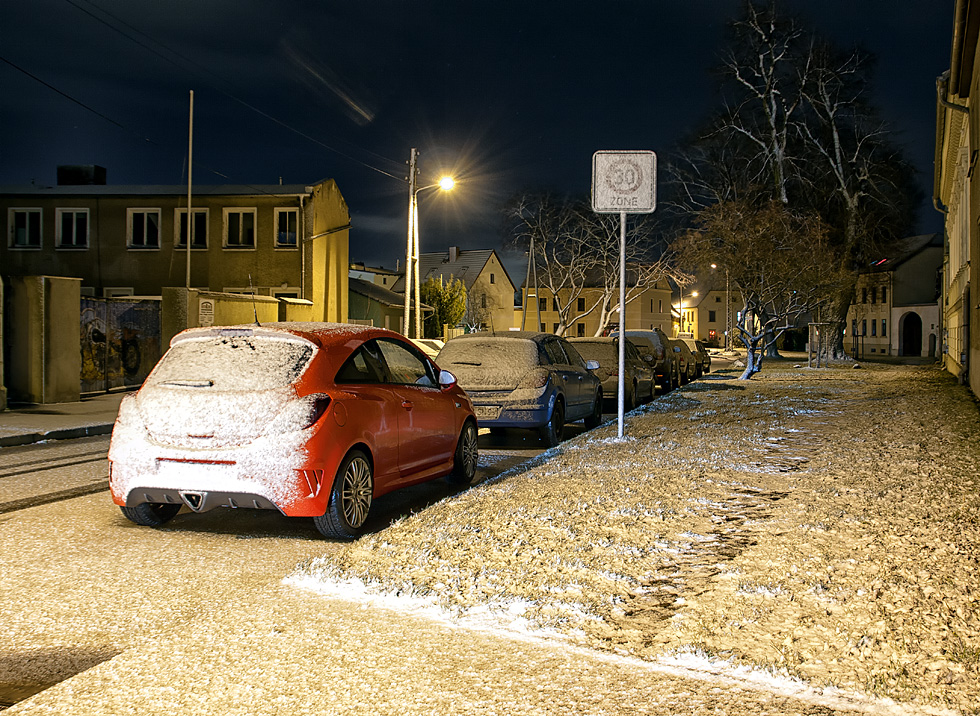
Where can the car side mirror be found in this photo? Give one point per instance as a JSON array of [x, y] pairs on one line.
[[446, 379], [592, 364]]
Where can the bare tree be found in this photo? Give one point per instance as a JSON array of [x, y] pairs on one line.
[[779, 261], [576, 256], [767, 71]]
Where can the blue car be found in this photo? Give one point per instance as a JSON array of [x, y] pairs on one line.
[[525, 380]]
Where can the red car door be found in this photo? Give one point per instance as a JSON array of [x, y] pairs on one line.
[[426, 415]]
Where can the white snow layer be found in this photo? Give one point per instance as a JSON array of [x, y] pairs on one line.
[[814, 527]]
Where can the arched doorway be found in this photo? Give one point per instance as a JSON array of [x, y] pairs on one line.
[[911, 328]]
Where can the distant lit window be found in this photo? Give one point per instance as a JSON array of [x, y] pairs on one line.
[[884, 325], [200, 238], [25, 228], [143, 228], [239, 228], [287, 228], [72, 228]]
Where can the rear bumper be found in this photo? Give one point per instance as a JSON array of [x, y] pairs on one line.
[[501, 410], [269, 473]]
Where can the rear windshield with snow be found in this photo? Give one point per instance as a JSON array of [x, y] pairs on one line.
[[488, 363], [233, 363], [604, 352]]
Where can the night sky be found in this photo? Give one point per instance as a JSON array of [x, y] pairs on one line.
[[507, 96]]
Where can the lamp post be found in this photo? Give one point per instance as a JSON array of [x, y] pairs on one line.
[[412, 245], [728, 307]]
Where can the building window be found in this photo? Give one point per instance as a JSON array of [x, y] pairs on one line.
[[72, 227], [25, 228], [555, 330], [717, 299], [200, 229], [864, 327], [554, 303], [711, 316], [580, 304], [143, 228], [483, 300], [864, 295], [493, 279], [660, 306], [239, 228], [874, 327], [884, 296], [286, 293], [287, 228], [542, 306], [544, 328], [580, 329], [874, 295], [884, 326]]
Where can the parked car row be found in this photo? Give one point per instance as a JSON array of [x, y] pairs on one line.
[[319, 420]]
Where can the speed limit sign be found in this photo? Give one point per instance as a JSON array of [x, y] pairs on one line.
[[624, 182]]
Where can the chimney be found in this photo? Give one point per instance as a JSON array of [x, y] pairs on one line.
[[453, 254], [81, 175]]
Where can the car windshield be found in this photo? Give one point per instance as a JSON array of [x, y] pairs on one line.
[[488, 363], [233, 363]]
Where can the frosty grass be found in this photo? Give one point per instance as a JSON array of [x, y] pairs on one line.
[[820, 525]]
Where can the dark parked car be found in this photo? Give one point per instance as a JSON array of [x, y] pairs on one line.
[[686, 361], [654, 343], [638, 385], [702, 358], [525, 380]]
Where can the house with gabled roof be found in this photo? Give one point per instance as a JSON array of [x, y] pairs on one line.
[[489, 289], [895, 311]]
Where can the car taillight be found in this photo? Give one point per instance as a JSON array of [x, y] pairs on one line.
[[317, 406], [537, 378]]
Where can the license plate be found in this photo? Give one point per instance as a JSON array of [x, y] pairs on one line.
[[487, 412]]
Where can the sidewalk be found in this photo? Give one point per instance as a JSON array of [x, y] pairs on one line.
[[24, 424]]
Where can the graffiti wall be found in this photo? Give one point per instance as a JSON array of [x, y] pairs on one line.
[[120, 342]]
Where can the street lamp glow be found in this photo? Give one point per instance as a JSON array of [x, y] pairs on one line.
[[447, 183]]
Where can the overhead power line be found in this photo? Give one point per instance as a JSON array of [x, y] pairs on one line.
[[202, 70]]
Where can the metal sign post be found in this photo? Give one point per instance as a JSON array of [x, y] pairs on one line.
[[623, 183]]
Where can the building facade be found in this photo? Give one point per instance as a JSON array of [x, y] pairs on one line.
[[650, 309], [896, 307], [280, 241], [956, 194]]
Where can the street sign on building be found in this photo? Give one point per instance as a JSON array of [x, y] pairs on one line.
[[624, 182]]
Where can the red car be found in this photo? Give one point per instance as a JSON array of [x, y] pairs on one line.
[[311, 419]]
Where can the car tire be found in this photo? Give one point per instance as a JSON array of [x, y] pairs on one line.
[[466, 458], [151, 514], [595, 417], [552, 431], [350, 498]]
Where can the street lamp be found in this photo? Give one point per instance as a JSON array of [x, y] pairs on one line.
[[446, 183]]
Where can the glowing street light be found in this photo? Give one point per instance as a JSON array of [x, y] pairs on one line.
[[446, 183]]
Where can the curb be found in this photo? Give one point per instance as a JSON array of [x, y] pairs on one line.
[[63, 434]]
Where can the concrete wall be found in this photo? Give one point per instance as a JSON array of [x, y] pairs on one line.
[[190, 309], [45, 346], [3, 390]]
